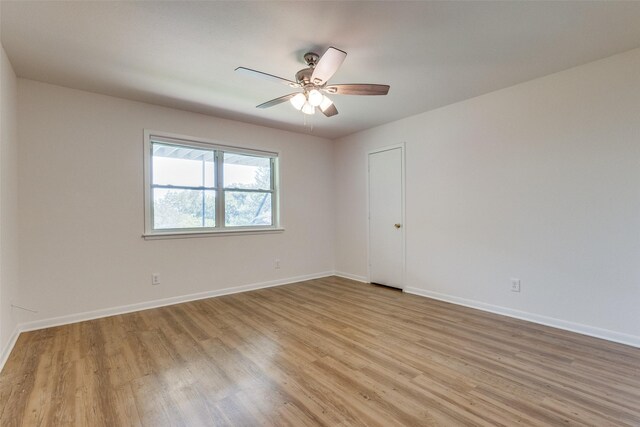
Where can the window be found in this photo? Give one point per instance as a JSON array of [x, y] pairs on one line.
[[197, 187]]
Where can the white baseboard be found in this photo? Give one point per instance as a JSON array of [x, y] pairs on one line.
[[631, 340], [579, 328], [351, 276], [6, 351], [96, 314]]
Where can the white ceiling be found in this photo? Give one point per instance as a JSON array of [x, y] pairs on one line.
[[183, 54]]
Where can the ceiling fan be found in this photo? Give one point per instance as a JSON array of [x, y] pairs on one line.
[[313, 82]]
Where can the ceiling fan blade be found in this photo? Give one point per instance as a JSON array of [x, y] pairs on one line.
[[331, 110], [327, 65], [358, 89], [265, 76], [276, 101]]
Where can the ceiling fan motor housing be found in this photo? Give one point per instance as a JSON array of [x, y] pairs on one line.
[[304, 76]]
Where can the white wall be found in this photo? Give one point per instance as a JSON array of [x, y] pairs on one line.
[[81, 206], [540, 181], [8, 200]]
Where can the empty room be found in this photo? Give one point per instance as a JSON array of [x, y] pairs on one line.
[[351, 213]]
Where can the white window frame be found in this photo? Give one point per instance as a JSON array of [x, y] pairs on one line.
[[218, 148]]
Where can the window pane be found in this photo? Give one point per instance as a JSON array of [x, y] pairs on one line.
[[182, 166], [176, 208], [241, 171], [244, 208]]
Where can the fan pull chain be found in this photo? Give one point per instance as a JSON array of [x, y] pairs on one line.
[[308, 124]]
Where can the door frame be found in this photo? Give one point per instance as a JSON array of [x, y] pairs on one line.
[[402, 148]]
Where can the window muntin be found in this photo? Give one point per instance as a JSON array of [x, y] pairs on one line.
[[200, 187]]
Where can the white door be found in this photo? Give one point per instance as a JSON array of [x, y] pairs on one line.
[[386, 230]]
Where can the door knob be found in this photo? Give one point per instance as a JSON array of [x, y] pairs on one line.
[[397, 225]]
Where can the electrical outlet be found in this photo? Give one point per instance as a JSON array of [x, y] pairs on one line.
[[155, 279], [515, 285], [277, 264]]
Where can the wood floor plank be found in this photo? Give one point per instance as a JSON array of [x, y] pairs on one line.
[[329, 351]]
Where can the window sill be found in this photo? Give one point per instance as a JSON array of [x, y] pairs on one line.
[[217, 233]]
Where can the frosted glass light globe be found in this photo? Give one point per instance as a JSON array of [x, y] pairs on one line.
[[326, 103], [315, 97], [298, 101], [308, 108]]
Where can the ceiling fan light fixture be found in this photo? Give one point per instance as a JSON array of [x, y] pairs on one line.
[[298, 101], [315, 97], [326, 103], [308, 108], [313, 84]]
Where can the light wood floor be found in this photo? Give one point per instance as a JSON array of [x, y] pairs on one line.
[[323, 352]]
